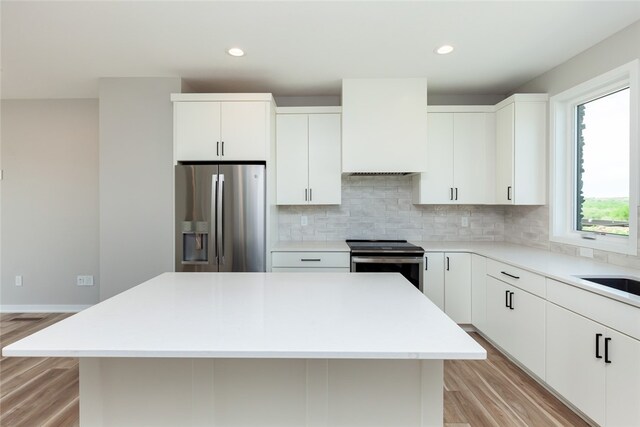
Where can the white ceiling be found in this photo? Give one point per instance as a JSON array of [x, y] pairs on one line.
[[59, 49]]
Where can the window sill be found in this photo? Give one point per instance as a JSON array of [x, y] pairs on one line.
[[620, 245]]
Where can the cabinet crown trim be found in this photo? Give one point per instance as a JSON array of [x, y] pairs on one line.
[[309, 110], [220, 97]]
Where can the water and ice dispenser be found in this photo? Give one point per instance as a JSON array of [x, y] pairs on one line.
[[195, 242]]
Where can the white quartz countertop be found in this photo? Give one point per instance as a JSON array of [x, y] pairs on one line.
[[560, 267], [259, 315], [311, 246]]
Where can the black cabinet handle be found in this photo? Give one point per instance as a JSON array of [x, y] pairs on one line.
[[506, 299], [511, 300], [450, 193], [310, 259], [509, 193], [305, 194], [310, 194], [598, 336], [223, 148], [510, 275], [217, 148], [456, 193], [447, 263], [426, 263], [606, 350]]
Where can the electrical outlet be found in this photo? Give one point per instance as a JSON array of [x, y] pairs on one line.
[[304, 220], [84, 281], [18, 280], [586, 252], [465, 221]]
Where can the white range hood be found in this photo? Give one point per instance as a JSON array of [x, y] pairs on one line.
[[384, 126]]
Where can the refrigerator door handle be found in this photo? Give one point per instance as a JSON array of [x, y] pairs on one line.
[[221, 218], [214, 208]]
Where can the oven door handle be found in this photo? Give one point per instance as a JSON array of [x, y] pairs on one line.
[[371, 260]]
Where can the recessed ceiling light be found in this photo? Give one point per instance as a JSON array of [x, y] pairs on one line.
[[444, 49], [235, 51]]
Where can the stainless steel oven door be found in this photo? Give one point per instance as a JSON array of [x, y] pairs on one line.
[[412, 268]]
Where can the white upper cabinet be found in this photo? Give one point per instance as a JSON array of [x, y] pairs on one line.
[[460, 158], [308, 158], [292, 159], [521, 135], [384, 125], [325, 174], [243, 134], [220, 130]]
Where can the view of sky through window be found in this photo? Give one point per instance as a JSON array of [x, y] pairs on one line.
[[603, 153]]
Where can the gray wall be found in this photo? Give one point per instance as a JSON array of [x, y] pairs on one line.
[[380, 208], [530, 225], [49, 201], [136, 181]]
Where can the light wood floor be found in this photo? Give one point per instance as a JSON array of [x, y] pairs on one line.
[[492, 392]]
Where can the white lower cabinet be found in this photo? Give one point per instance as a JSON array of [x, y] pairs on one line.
[[310, 262], [478, 292], [447, 282], [515, 320], [594, 367]]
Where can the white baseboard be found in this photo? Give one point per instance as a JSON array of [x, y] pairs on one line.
[[43, 308]]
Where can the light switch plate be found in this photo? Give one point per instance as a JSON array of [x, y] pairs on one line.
[[304, 220], [18, 280], [84, 281]]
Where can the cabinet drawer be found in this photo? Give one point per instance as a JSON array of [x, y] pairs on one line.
[[611, 313], [310, 270], [311, 259], [518, 277]]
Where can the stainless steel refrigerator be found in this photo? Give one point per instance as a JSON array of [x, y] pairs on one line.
[[220, 217]]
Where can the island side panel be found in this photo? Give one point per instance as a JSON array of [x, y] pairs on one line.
[[283, 392]]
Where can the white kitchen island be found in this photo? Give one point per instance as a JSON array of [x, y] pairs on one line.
[[260, 349]]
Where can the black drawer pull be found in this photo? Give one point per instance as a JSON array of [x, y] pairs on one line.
[[510, 275], [511, 300], [598, 336], [606, 350], [310, 259], [506, 299]]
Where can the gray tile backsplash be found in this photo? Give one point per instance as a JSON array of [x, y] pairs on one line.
[[529, 226], [380, 207]]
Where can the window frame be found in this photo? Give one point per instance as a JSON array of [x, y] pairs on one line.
[[563, 170]]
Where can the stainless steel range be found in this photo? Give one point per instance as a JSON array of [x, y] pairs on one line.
[[388, 256]]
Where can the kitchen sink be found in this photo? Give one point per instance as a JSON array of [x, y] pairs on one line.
[[626, 284]]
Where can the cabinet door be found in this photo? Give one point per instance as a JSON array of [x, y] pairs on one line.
[[623, 381], [472, 139], [478, 291], [325, 169], [505, 155], [529, 157], [572, 367], [436, 184], [457, 287], [244, 130], [292, 159], [433, 286], [527, 328], [496, 326], [197, 130]]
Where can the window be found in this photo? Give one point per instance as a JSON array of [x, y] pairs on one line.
[[594, 162], [602, 169]]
